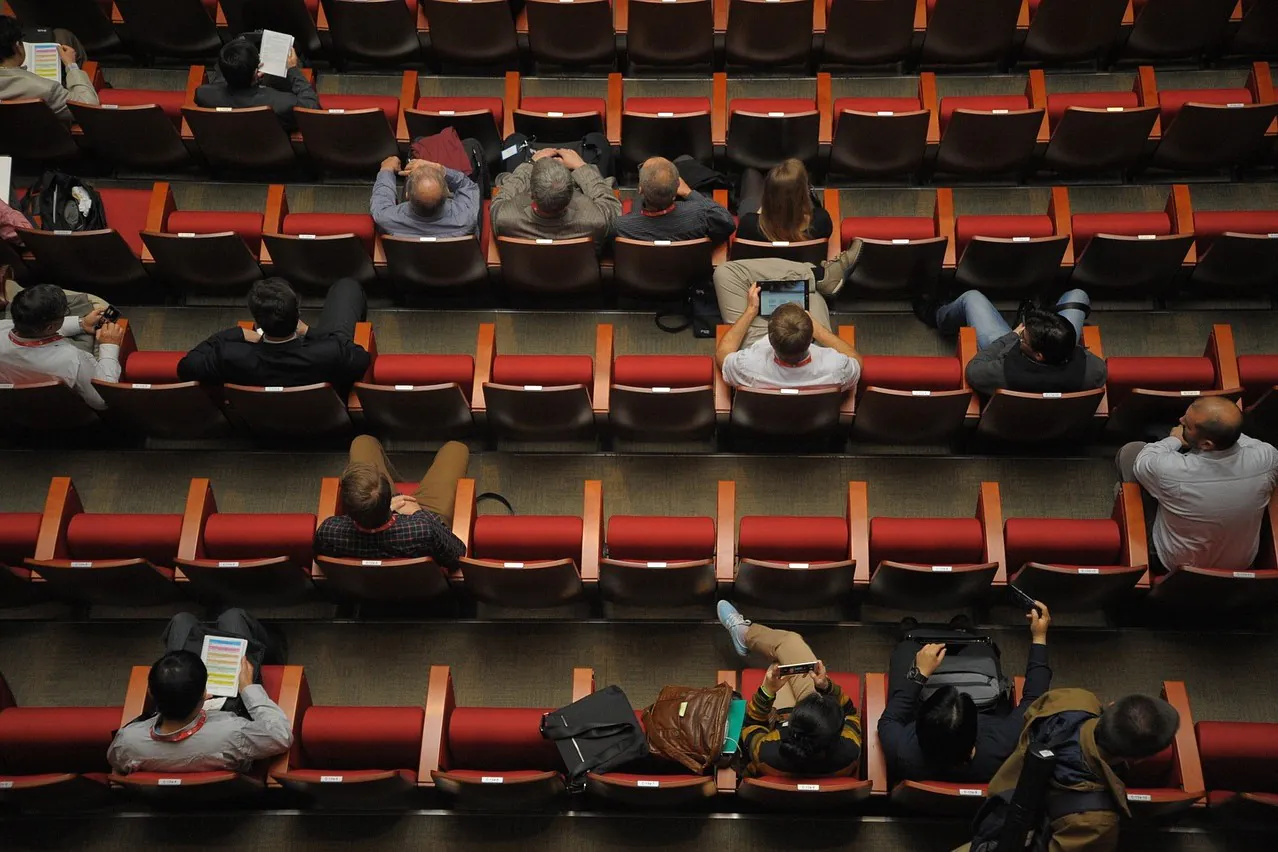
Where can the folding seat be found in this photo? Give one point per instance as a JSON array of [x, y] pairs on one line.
[[1170, 782], [351, 133], [904, 556], [178, 28], [667, 33], [1130, 254], [417, 396], [1257, 32], [1205, 129], [794, 562], [803, 251], [1006, 255], [305, 412], [31, 133], [664, 127], [762, 132], [547, 268], [379, 32], [283, 684], [471, 32], [1258, 375], [90, 20], [570, 33], [1094, 131], [1240, 768], [430, 265], [534, 561], [986, 134], [105, 557], [294, 17], [900, 255], [488, 758], [1145, 390], [1071, 30], [868, 32], [54, 758], [135, 128], [655, 397], [201, 251], [964, 33], [106, 262], [769, 33], [1237, 251], [534, 397], [1224, 588], [1080, 564], [479, 118], [19, 532], [879, 137], [1166, 29], [30, 408], [662, 270], [249, 139], [790, 793], [553, 118], [312, 250]]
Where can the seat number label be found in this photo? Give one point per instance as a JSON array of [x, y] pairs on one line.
[[900, 242], [665, 115], [81, 564], [661, 390], [228, 565], [1139, 797], [372, 562], [790, 391], [495, 779], [942, 569], [555, 114], [274, 389], [330, 779], [964, 791], [643, 783], [1190, 393], [808, 788], [1052, 395], [532, 387], [1089, 570], [141, 386], [169, 782], [1020, 239], [1244, 575], [658, 564], [403, 387], [800, 564], [920, 393], [5, 785], [186, 233], [512, 565]]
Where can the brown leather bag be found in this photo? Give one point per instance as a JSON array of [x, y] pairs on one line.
[[687, 724]]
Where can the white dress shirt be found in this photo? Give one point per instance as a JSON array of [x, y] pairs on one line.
[[757, 366], [24, 361]]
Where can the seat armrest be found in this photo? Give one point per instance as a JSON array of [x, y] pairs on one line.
[[875, 704]]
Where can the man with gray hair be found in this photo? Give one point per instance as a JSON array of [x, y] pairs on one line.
[[439, 202], [672, 210], [556, 196]]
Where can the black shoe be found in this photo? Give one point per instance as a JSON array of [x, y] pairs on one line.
[[925, 309], [1022, 310], [962, 621]]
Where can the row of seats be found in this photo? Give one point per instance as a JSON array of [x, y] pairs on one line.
[[538, 561], [581, 34], [494, 758], [859, 136]]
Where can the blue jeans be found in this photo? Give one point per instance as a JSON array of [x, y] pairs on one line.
[[972, 308]]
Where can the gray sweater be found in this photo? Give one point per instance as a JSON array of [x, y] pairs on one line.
[[592, 212]]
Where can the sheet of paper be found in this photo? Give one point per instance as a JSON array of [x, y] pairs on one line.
[[43, 60], [274, 53], [6, 177], [222, 656]]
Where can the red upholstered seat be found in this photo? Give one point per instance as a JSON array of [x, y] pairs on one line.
[[500, 738], [1254, 371], [793, 539], [1239, 756], [45, 740], [126, 211], [567, 106], [678, 106], [332, 224], [767, 106], [362, 737], [233, 535], [641, 538], [387, 104], [425, 370], [167, 100], [1166, 374], [1210, 225], [886, 228], [155, 367], [109, 536], [980, 103], [1057, 104], [527, 538], [927, 541], [1062, 541], [1005, 227], [1171, 100], [850, 682], [18, 534], [1088, 225], [544, 370], [471, 104], [905, 372], [247, 225], [668, 371], [1156, 771]]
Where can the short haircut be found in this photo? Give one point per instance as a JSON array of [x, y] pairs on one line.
[[1223, 432], [551, 186], [658, 183], [790, 331], [10, 37], [238, 62], [812, 731], [34, 309], [946, 727], [418, 181], [1136, 726], [1050, 335], [366, 495], [274, 307], [177, 683]]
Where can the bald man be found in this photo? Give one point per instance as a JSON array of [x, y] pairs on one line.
[[439, 202], [1212, 484], [672, 210]]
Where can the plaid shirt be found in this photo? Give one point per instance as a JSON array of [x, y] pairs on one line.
[[412, 536]]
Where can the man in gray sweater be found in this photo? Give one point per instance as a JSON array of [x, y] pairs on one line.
[[557, 196]]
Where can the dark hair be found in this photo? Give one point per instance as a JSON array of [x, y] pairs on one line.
[[273, 305], [1136, 726], [1050, 335], [177, 682], [946, 727], [10, 36], [813, 729], [365, 495], [238, 62], [34, 309]]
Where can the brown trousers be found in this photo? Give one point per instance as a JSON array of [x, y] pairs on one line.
[[437, 491], [784, 647]]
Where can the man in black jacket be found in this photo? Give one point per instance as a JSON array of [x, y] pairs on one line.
[[283, 351], [238, 82]]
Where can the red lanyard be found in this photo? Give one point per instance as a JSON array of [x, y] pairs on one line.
[[803, 363], [658, 212], [19, 341], [382, 528], [184, 734]]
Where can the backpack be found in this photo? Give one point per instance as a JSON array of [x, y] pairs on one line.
[[53, 199], [972, 665], [597, 733]]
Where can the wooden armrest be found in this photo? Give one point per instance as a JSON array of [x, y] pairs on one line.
[[725, 549], [1188, 762], [408, 96], [927, 97], [1129, 514], [94, 72], [583, 683], [135, 696], [719, 105], [620, 16], [592, 531], [875, 705], [485, 351], [1092, 343], [722, 393], [943, 215], [720, 12], [726, 778], [989, 511], [1146, 89], [1062, 222], [612, 124], [291, 685], [920, 16], [1220, 349], [512, 95], [61, 503], [130, 344], [439, 702], [321, 18], [1036, 91], [464, 511], [328, 499], [1181, 211], [604, 353], [825, 132], [858, 518], [200, 504], [1023, 16]]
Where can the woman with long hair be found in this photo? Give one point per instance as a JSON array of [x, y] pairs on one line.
[[784, 210]]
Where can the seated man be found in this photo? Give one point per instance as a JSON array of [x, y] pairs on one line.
[[801, 725], [672, 210], [797, 353], [283, 351], [17, 82], [380, 524], [238, 82], [944, 737], [189, 731], [36, 343], [440, 202], [1042, 355], [1211, 484], [557, 196]]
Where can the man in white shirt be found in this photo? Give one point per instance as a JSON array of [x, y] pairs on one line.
[[797, 353], [34, 344], [1212, 484]]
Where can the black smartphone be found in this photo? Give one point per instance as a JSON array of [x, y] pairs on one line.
[[1023, 599], [110, 314], [797, 668]]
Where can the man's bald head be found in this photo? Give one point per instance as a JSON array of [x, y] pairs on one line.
[[658, 183], [1212, 423], [426, 190]]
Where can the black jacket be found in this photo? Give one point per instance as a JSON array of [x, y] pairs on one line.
[[227, 357], [280, 94]]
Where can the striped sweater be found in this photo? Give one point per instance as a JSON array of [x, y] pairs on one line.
[[761, 740]]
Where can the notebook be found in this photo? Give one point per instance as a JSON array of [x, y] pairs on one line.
[[736, 719], [222, 656], [43, 61]]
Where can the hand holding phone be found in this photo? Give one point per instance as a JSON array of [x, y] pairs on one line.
[[1024, 600], [797, 668]]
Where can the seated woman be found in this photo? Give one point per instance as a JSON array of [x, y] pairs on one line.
[[782, 208]]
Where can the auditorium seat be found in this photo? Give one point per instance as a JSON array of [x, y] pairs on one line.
[[104, 557], [236, 140], [314, 249], [31, 133], [1062, 31], [383, 32], [428, 266], [543, 268], [1257, 32], [479, 118], [1094, 132], [769, 34], [135, 128], [1240, 768], [964, 33], [876, 137], [1134, 254], [1258, 375], [534, 561], [488, 758], [762, 132], [868, 32], [1006, 255], [90, 20], [551, 118], [1206, 129], [417, 396], [201, 251], [788, 793], [1171, 781], [54, 758], [1174, 29], [350, 134], [471, 33], [985, 134], [661, 270], [533, 397], [1237, 252], [574, 35], [283, 684], [293, 17], [19, 532], [664, 127], [655, 397], [900, 255], [30, 408], [183, 29], [667, 34]]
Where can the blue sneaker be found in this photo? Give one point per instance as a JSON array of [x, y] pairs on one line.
[[736, 624]]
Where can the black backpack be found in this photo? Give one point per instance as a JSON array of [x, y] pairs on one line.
[[597, 733], [52, 199], [972, 665]]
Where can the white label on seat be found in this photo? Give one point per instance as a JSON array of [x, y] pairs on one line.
[[1113, 109], [6, 386], [942, 569], [110, 106], [506, 153], [899, 242], [1052, 395], [337, 112], [1139, 797], [808, 788], [372, 562], [228, 565], [427, 239], [964, 791], [665, 115], [532, 387], [449, 112], [498, 779], [999, 111], [62, 233], [1020, 239], [661, 242], [776, 115], [920, 393], [661, 390], [223, 109], [1190, 393], [81, 564], [330, 779], [141, 386], [800, 564], [5, 785], [1244, 575], [781, 243], [169, 782], [186, 233], [1089, 570], [1146, 236], [274, 388], [885, 112], [306, 236], [555, 114], [1234, 106], [641, 782], [512, 565], [658, 564], [403, 387], [669, 1], [544, 242], [1272, 236], [789, 391]]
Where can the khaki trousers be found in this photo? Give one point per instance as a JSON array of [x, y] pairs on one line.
[[732, 282], [783, 647], [437, 491]]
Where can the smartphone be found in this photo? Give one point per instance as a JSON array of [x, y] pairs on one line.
[[1023, 599], [797, 668], [111, 314]]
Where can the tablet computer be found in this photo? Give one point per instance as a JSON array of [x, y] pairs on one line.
[[774, 294]]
